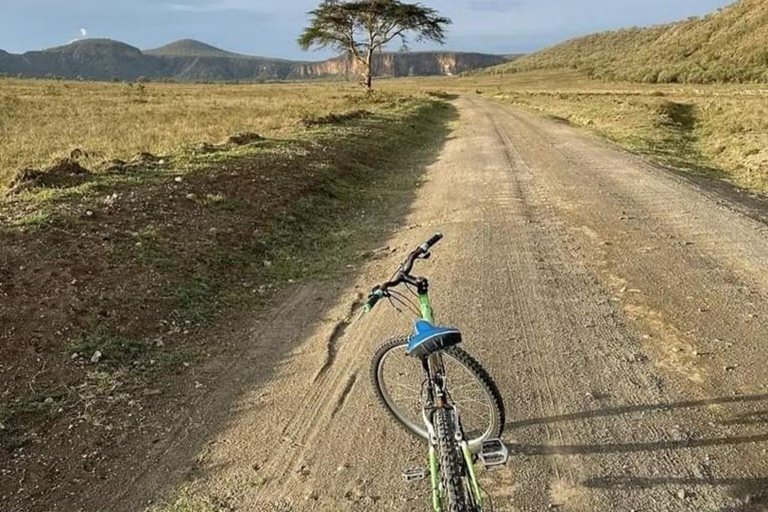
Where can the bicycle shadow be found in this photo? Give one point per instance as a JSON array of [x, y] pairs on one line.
[[594, 449], [753, 490], [630, 409]]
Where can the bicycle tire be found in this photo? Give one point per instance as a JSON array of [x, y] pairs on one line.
[[495, 402], [454, 491]]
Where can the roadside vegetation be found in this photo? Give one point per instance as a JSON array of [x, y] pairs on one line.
[[725, 46], [115, 276], [719, 131]]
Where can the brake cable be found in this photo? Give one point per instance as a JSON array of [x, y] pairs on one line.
[[403, 300]]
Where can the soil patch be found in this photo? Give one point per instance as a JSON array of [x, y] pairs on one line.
[[63, 174]]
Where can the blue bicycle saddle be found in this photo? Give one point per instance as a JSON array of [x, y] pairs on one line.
[[428, 339]]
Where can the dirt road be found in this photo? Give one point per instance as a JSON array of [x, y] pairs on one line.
[[621, 309]]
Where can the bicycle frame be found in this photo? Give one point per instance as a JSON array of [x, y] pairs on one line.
[[437, 397]]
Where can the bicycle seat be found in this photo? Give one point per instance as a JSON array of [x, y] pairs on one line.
[[428, 339]]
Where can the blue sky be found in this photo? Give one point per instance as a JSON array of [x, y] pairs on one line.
[[270, 27]]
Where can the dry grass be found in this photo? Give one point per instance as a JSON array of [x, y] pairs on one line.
[[722, 132], [42, 120], [717, 130]]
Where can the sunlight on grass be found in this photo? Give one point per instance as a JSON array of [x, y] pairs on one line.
[[41, 120]]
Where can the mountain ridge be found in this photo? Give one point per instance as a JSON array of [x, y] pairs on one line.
[[192, 60]]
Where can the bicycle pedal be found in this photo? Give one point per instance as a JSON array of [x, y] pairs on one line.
[[414, 475], [494, 453]]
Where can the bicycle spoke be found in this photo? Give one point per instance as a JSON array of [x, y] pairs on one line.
[[416, 392], [457, 388], [463, 399], [463, 408]]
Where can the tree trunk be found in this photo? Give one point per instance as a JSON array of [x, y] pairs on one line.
[[369, 81], [369, 71]]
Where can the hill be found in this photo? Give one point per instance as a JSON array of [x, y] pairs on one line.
[[726, 46], [94, 57], [190, 60], [191, 48]]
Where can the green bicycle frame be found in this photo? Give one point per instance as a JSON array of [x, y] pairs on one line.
[[436, 361], [426, 308]]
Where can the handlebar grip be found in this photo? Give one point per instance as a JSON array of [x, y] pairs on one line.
[[375, 296], [432, 241]]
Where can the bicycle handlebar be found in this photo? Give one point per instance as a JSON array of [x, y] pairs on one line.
[[404, 272], [432, 241]]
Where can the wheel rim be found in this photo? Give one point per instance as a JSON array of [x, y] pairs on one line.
[[400, 379]]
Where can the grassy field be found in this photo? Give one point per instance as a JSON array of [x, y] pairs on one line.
[[720, 131], [43, 120]]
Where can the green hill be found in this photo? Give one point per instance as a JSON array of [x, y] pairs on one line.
[[192, 48], [730, 45]]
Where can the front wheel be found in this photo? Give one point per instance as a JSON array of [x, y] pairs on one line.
[[398, 380]]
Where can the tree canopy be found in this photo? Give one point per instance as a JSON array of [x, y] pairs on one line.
[[361, 28]]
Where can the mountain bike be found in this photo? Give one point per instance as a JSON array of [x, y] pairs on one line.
[[439, 393]]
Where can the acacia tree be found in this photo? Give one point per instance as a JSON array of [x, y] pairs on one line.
[[363, 27]]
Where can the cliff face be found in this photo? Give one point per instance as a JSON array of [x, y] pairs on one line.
[[432, 63], [400, 65], [194, 61]]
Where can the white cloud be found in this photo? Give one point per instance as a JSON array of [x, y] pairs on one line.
[[84, 32]]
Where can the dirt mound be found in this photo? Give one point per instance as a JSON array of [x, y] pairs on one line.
[[115, 165], [335, 118], [146, 159], [142, 160], [206, 148], [443, 95], [241, 139], [63, 174]]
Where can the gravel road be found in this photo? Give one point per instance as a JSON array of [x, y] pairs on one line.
[[621, 308]]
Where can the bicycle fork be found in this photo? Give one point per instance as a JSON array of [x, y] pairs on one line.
[[434, 472], [472, 476]]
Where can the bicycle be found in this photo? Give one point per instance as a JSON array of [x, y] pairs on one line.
[[430, 411]]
